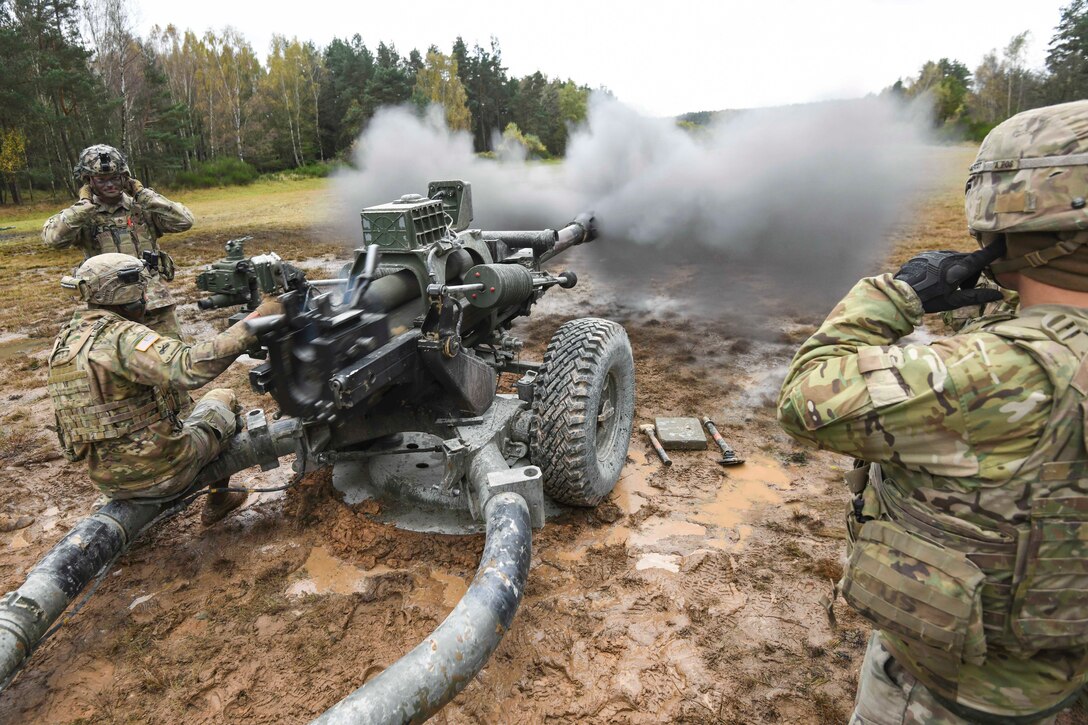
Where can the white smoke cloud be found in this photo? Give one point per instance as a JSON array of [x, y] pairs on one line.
[[794, 197], [399, 152]]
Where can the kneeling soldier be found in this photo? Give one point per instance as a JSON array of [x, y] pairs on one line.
[[116, 388]]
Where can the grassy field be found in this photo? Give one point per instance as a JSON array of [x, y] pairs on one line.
[[291, 203], [279, 214]]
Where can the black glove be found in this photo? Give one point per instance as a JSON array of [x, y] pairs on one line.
[[945, 280]]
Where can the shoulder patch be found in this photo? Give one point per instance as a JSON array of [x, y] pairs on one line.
[[147, 341], [167, 348]]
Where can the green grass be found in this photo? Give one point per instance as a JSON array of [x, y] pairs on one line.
[[291, 217], [225, 171], [30, 217]]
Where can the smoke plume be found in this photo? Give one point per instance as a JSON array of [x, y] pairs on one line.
[[768, 202]]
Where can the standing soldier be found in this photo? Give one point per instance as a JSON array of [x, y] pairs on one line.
[[969, 527], [115, 387], [116, 213]]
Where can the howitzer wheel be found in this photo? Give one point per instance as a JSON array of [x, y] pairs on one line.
[[584, 403]]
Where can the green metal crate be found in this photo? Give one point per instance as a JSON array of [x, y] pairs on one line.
[[405, 224]]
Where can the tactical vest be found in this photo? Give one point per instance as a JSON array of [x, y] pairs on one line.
[[124, 231], [84, 413], [1003, 565], [127, 232]]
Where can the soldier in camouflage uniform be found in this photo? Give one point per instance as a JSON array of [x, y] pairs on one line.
[[968, 533], [116, 213], [113, 382]]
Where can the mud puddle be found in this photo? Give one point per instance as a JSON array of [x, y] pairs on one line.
[[755, 483], [322, 573], [633, 489], [16, 347], [449, 586]]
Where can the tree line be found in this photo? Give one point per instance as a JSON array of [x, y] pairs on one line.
[[198, 109], [195, 109], [970, 104]]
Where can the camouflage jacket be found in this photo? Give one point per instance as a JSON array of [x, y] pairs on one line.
[[99, 362], [131, 226], [961, 428]]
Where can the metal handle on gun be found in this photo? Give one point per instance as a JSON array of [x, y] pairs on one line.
[[260, 325], [362, 282]]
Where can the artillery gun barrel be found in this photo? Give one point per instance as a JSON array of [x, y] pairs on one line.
[[565, 279], [550, 242]]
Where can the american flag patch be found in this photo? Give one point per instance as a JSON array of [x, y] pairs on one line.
[[148, 341]]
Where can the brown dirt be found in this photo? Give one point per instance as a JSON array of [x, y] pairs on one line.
[[691, 595]]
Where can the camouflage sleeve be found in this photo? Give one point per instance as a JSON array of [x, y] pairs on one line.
[[63, 229], [955, 407], [167, 216], [146, 357]]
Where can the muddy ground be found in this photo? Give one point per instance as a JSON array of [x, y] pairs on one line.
[[691, 595]]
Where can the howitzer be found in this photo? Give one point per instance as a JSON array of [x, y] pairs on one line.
[[392, 376], [430, 317]]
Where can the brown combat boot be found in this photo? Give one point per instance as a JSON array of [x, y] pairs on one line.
[[221, 503]]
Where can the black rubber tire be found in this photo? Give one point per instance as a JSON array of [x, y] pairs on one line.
[[584, 405]]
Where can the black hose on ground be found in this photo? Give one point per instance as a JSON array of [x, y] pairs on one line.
[[417, 685], [95, 542], [91, 546]]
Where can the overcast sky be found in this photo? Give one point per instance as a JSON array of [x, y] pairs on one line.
[[665, 57]]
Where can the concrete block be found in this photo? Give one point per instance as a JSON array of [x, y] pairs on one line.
[[681, 434]]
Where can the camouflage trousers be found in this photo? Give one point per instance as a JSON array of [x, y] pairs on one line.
[[889, 695], [209, 428]]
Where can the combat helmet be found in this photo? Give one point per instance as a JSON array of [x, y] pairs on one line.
[[100, 160], [1030, 179], [110, 279]]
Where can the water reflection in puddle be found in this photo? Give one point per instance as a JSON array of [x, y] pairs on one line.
[[633, 490], [655, 530], [743, 489], [653, 560], [325, 574]]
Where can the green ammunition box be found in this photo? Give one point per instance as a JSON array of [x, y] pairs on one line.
[[409, 223]]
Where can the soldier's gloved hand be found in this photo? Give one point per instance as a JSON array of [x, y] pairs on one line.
[[269, 306], [134, 186], [945, 280], [225, 396], [85, 193], [79, 214]]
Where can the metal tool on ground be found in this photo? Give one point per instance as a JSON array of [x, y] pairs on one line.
[[680, 434], [729, 456], [648, 429]]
